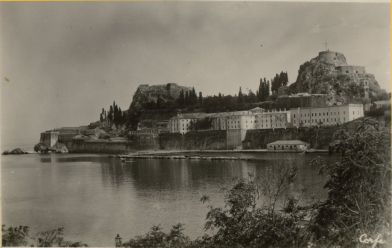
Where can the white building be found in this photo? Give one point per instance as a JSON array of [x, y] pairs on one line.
[[288, 145], [182, 122], [241, 120], [273, 119], [325, 116], [260, 119]]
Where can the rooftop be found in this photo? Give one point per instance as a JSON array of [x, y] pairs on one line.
[[288, 142]]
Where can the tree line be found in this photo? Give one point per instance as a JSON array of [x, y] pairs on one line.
[[114, 115], [190, 101]]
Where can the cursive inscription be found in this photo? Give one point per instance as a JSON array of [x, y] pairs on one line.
[[367, 240]]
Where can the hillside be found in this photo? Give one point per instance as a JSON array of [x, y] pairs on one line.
[[329, 73], [146, 94]]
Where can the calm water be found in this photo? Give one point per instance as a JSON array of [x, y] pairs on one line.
[[95, 197]]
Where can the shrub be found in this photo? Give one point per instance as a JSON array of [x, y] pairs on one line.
[[359, 196]]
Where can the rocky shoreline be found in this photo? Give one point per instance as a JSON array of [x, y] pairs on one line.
[[16, 151]]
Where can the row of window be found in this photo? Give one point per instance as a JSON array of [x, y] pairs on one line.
[[321, 120], [323, 114]]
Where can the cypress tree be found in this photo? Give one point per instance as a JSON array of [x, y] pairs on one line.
[[240, 96]]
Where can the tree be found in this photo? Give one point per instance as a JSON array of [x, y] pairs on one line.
[[240, 96], [278, 81], [359, 186], [251, 98], [20, 236], [193, 96], [201, 124], [200, 98], [264, 90], [160, 102], [181, 98], [110, 114], [242, 223], [186, 98], [156, 238]]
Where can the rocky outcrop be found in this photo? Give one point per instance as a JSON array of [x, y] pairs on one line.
[[146, 94], [329, 73], [16, 151]]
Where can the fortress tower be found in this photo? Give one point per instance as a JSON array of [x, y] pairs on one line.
[[331, 57]]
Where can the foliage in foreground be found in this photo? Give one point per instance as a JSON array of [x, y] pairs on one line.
[[20, 236], [359, 187]]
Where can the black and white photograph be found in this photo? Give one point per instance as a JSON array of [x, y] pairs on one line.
[[195, 124]]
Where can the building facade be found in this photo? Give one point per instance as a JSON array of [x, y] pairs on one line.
[[288, 145], [182, 123], [326, 116], [49, 138], [272, 120], [260, 119]]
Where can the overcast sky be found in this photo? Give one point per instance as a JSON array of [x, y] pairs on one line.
[[60, 63]]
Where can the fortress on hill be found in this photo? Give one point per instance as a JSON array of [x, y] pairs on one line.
[[340, 63], [329, 73]]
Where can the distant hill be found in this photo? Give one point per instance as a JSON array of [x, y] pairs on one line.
[[146, 94], [329, 73]]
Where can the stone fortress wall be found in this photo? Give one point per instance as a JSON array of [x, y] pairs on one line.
[[356, 73], [334, 58], [350, 69]]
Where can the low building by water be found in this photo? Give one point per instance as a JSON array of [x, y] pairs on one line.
[[288, 145]]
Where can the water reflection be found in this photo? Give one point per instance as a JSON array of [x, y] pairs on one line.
[[194, 175], [94, 197]]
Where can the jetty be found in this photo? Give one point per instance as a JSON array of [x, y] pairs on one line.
[[203, 154]]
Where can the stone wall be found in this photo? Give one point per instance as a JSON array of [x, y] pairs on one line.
[[331, 57], [202, 140], [350, 69], [99, 146], [287, 102]]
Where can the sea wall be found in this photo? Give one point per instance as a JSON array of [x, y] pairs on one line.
[[99, 146], [317, 137], [203, 140], [107, 146]]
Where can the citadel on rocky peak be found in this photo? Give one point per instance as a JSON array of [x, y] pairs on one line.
[[329, 73], [328, 92]]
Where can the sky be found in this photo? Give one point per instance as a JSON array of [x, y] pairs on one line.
[[60, 63]]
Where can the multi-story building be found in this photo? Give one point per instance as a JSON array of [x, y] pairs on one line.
[[182, 122], [273, 119], [233, 120], [326, 116], [261, 119]]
